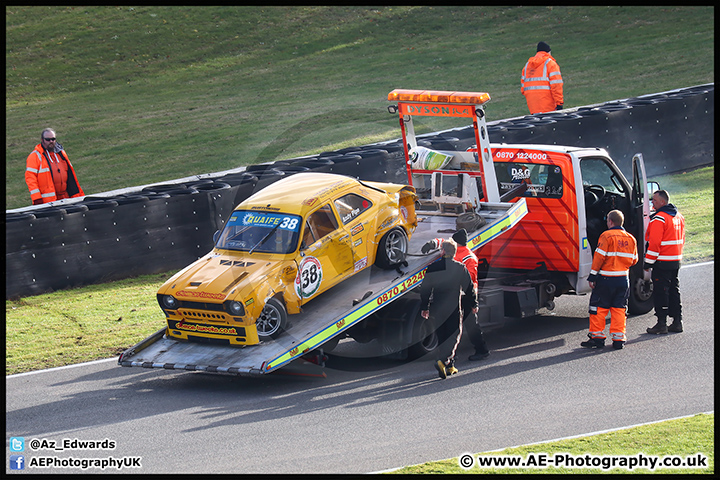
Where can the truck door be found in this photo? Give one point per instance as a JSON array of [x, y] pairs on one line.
[[605, 188], [641, 197], [640, 300]]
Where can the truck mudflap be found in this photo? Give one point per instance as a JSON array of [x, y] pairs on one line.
[[329, 315]]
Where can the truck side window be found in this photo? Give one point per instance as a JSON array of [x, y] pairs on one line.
[[544, 181], [595, 171]]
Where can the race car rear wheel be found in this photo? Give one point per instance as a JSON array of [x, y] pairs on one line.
[[273, 320], [392, 249]]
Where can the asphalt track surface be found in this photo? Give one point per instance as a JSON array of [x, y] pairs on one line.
[[369, 415]]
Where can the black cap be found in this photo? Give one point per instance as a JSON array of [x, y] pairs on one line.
[[543, 47], [460, 237]]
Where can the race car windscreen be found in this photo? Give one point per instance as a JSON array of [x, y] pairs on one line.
[[260, 232]]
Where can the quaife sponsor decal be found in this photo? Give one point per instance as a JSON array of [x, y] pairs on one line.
[[309, 277], [200, 328]]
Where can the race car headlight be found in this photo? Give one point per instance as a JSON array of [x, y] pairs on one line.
[[235, 308], [169, 302]]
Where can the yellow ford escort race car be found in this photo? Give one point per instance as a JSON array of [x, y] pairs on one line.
[[282, 247]]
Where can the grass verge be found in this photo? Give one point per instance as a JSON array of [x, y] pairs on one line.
[[684, 438]]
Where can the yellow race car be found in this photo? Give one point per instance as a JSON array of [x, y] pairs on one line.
[[282, 247]]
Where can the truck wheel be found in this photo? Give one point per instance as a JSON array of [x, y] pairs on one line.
[[429, 340], [273, 320], [640, 301], [392, 249]]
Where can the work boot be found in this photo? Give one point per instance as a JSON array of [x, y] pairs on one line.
[[618, 344], [440, 366], [659, 328], [478, 356], [451, 370], [593, 342], [675, 326]]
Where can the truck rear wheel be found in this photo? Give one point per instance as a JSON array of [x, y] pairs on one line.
[[429, 340], [273, 320], [640, 301]]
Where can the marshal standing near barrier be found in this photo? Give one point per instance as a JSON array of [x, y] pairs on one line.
[[541, 82], [49, 174]]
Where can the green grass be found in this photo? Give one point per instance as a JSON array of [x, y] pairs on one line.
[[144, 94], [684, 437], [79, 325]]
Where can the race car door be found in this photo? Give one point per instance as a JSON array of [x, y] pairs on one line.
[[325, 254]]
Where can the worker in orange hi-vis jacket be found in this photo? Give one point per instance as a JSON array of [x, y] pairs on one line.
[[541, 82], [665, 239], [49, 174], [616, 252]]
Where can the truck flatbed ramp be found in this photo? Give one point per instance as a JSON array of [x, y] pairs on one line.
[[326, 316]]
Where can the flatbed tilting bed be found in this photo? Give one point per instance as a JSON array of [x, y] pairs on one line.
[[327, 316]]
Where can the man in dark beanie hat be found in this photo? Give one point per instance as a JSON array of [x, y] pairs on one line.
[[541, 82], [460, 237], [543, 47], [465, 256]]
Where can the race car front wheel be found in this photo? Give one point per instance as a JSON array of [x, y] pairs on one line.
[[273, 320]]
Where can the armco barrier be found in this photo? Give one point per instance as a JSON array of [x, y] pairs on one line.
[[157, 228]]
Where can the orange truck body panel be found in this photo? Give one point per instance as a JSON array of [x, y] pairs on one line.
[[550, 231]]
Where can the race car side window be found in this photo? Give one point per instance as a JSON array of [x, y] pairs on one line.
[[350, 206], [320, 223]]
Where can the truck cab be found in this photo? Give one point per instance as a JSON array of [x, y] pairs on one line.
[[568, 191]]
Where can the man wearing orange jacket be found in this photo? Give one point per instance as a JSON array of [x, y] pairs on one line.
[[616, 252], [49, 174], [665, 238], [465, 256], [541, 82]]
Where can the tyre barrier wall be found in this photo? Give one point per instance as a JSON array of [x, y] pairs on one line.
[[158, 228]]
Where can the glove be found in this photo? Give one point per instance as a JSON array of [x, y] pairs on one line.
[[559, 107], [428, 247], [38, 201], [647, 275]]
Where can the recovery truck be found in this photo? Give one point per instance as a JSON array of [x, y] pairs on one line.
[[568, 191], [342, 310]]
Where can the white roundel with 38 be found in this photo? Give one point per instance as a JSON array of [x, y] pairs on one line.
[[309, 277]]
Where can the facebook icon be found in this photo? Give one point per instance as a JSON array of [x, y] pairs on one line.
[[17, 462]]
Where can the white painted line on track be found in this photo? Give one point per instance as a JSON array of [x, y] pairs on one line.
[[62, 368]]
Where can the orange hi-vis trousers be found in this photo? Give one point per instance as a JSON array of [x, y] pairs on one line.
[[617, 323]]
